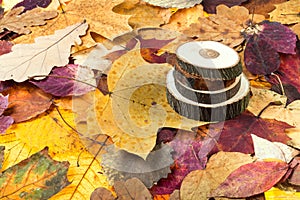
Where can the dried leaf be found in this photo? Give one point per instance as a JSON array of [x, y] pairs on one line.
[[137, 106], [5, 47], [143, 15], [2, 148], [131, 189], [235, 134], [102, 194], [262, 7], [26, 101], [260, 57], [296, 29], [210, 6], [275, 193], [251, 179], [289, 114], [38, 177], [173, 3], [31, 4], [199, 184], [120, 165], [265, 149], [40, 57], [20, 23], [188, 156], [286, 12], [71, 80]]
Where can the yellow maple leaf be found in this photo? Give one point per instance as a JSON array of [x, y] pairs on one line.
[[137, 106], [97, 13]]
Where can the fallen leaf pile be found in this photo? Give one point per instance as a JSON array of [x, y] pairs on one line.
[[84, 112]]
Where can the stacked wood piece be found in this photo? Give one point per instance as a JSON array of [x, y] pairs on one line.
[[207, 83]]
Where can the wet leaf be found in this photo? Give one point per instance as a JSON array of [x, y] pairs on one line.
[[26, 102], [173, 3], [120, 165], [46, 52], [235, 134], [199, 184], [20, 23], [210, 6], [31, 4], [286, 12], [71, 80], [251, 179], [38, 177], [131, 189], [5, 47]]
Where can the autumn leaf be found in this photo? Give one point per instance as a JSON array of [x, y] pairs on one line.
[[102, 194], [2, 148], [210, 6], [265, 149], [143, 15], [198, 184], [144, 98], [31, 4], [5, 47], [286, 12], [274, 193], [251, 179], [41, 54], [120, 165], [38, 177], [131, 189], [235, 134], [26, 101], [20, 23], [174, 3], [70, 80], [262, 7], [5, 121]]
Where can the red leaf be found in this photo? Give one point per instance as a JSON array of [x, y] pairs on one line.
[[235, 135], [260, 57], [251, 179], [67, 81], [5, 47]]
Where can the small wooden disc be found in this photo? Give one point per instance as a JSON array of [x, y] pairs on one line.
[[209, 59], [208, 112]]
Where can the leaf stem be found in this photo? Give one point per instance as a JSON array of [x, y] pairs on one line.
[[280, 83]]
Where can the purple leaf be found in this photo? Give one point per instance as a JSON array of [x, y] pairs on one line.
[[280, 37], [5, 122], [260, 57], [3, 103], [5, 47], [210, 5], [31, 4], [67, 81]]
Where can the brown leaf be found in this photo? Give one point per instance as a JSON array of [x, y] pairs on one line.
[[20, 23], [262, 7], [198, 184], [132, 189], [251, 179], [2, 148], [102, 194], [26, 101], [286, 12]]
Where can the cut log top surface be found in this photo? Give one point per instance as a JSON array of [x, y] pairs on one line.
[[207, 54]]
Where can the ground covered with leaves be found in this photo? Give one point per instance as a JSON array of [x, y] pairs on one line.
[[84, 113]]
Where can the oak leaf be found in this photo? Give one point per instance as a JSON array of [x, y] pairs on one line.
[[120, 165], [143, 15], [286, 12], [137, 105], [199, 184], [262, 7], [40, 57], [38, 177], [26, 101], [20, 23], [70, 80], [173, 3], [251, 179]]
